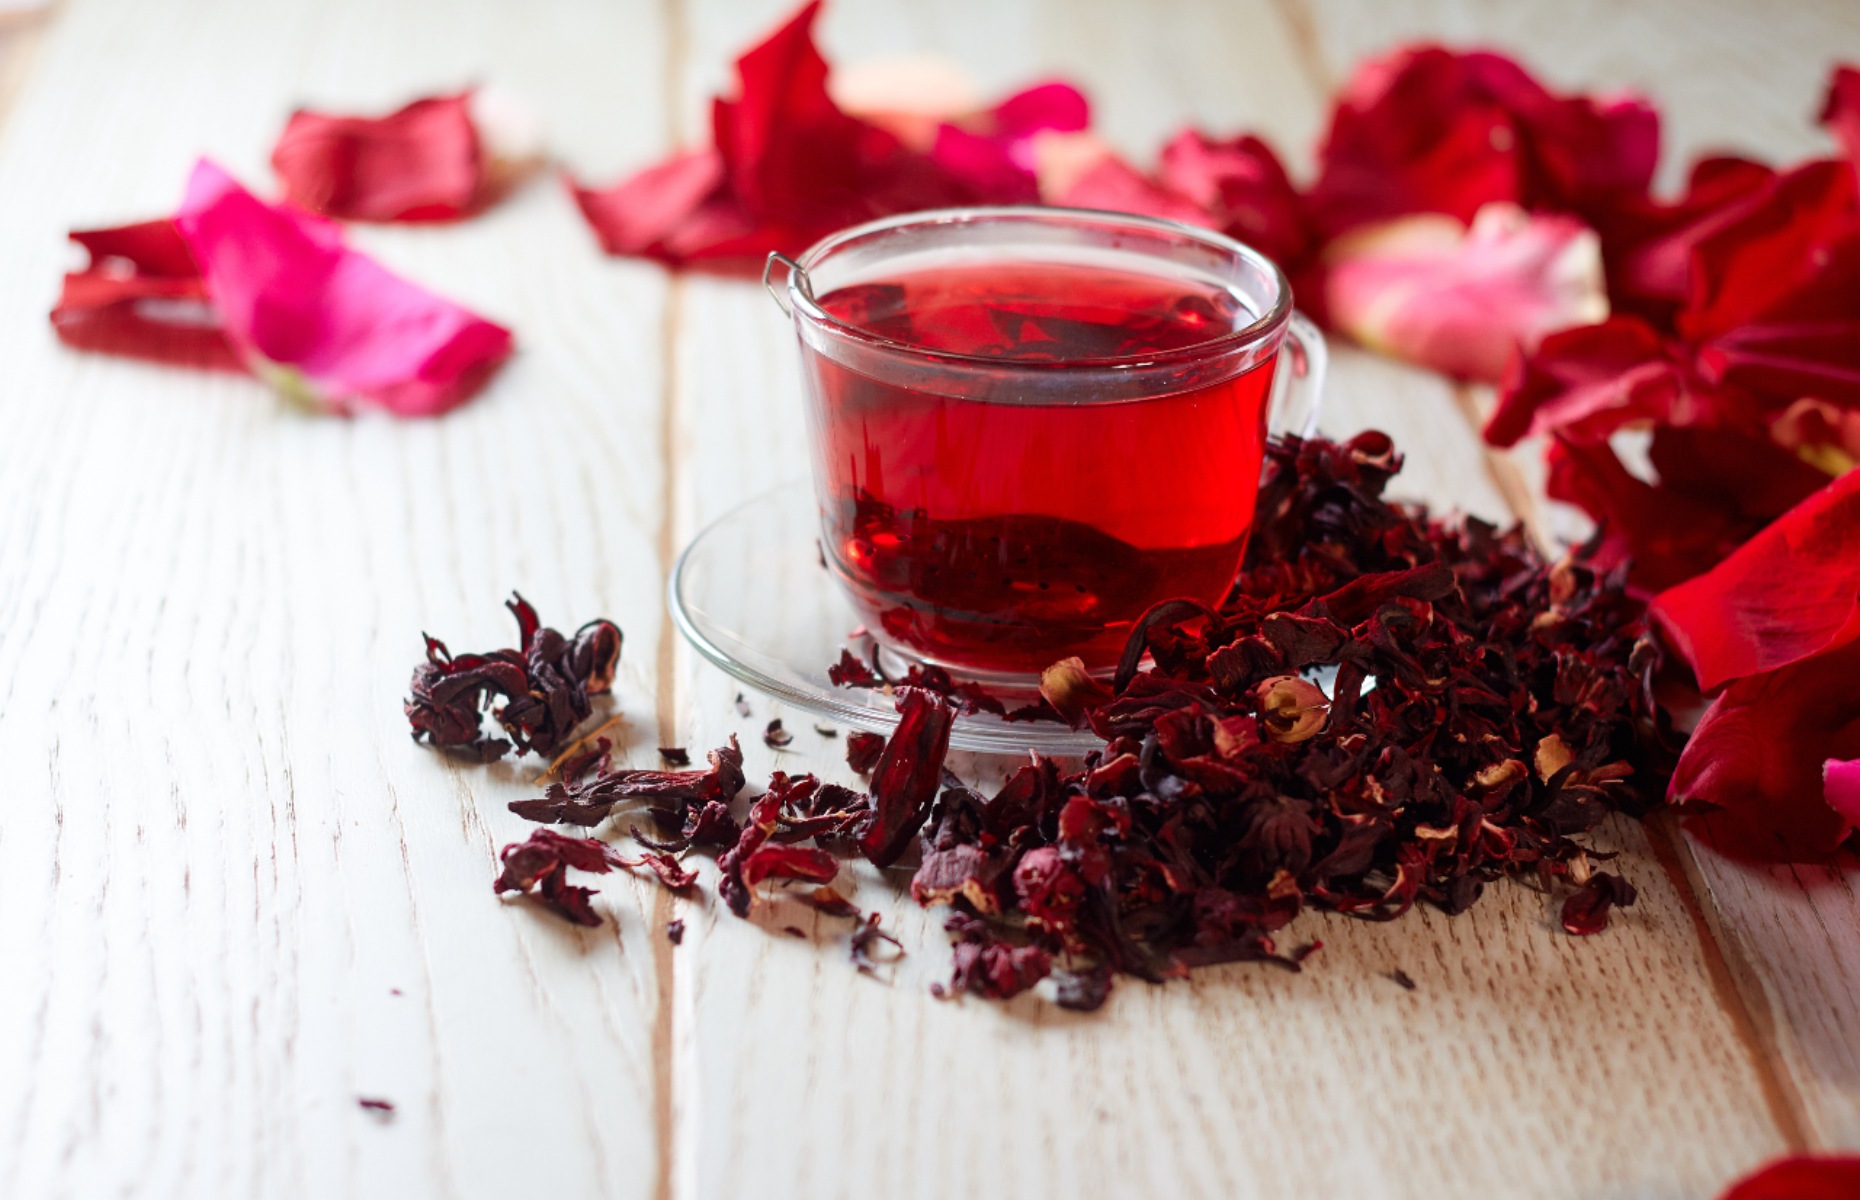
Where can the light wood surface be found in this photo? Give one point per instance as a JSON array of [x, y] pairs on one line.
[[235, 897]]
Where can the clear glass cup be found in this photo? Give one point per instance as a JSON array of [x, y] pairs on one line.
[[993, 512]]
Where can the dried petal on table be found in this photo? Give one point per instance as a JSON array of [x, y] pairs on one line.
[[538, 867], [863, 749], [681, 799], [867, 946], [546, 687], [908, 772], [1586, 910]]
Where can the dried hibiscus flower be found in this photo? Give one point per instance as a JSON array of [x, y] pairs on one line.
[[1586, 911], [683, 800], [436, 159], [545, 687], [539, 867], [863, 749]]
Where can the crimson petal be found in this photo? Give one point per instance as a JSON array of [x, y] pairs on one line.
[[141, 295], [422, 162], [1801, 1179], [1789, 593], [1757, 758]]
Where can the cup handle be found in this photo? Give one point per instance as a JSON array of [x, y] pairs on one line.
[[1299, 392], [795, 272]]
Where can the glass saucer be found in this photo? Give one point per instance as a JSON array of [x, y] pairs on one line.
[[751, 594]]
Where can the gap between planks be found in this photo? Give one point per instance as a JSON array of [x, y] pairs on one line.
[[665, 906]]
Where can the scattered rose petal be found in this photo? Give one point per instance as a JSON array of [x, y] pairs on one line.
[[1463, 301], [141, 295], [322, 323], [1755, 761], [1789, 593], [788, 165], [1241, 182], [1425, 129], [428, 161], [1830, 1178], [1110, 183]]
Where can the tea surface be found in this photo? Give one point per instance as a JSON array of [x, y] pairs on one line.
[[1001, 535]]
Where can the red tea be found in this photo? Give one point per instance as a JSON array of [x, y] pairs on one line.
[[1002, 531]]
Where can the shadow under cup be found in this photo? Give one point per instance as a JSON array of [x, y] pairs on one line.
[[1028, 426]]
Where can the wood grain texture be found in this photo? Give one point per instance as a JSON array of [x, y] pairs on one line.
[[224, 857], [237, 897]]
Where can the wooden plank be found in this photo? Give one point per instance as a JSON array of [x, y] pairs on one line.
[[1725, 76], [237, 897], [1506, 1072]]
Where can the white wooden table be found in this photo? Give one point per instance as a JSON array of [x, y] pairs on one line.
[[234, 897]]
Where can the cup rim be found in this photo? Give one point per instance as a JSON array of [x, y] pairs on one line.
[[802, 298]]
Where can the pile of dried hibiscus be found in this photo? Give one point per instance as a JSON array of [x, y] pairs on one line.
[[1484, 710]]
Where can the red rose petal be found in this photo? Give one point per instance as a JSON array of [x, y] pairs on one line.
[[1647, 243], [1585, 383], [1801, 1179], [1425, 129], [422, 162], [141, 295], [1667, 535], [1242, 182], [1840, 113], [1771, 251], [992, 154], [789, 166], [1757, 757], [1789, 593]]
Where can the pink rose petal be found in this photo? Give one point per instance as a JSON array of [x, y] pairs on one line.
[[1463, 301], [318, 319]]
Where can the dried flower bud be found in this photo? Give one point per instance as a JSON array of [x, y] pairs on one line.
[[1071, 690], [1291, 709]]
